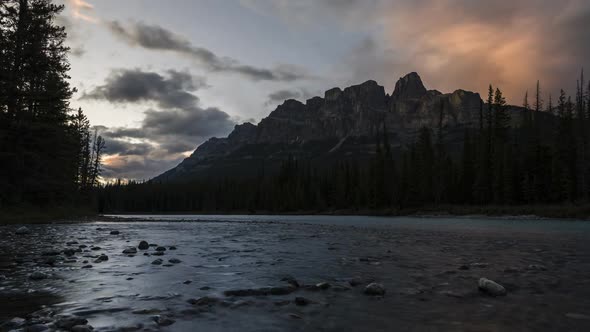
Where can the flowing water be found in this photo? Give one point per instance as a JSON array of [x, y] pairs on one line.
[[430, 269]]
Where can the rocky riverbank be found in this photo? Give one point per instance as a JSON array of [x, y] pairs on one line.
[[259, 276]]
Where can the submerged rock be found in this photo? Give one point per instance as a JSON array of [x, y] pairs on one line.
[[158, 262], [82, 328], [163, 320], [160, 249], [38, 276], [175, 261], [491, 287], [302, 301], [130, 251], [323, 285], [69, 322], [36, 328], [115, 232], [375, 289], [14, 323], [102, 258], [143, 245], [206, 300], [22, 231]]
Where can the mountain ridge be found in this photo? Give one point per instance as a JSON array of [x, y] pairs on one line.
[[355, 113]]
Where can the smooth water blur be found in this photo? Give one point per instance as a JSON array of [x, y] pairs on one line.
[[510, 223], [417, 259]]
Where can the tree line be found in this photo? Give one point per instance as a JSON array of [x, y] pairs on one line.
[[536, 154], [49, 154]]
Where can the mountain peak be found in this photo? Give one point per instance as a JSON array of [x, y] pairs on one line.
[[409, 87]]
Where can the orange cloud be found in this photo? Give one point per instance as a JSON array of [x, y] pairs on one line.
[[80, 9]]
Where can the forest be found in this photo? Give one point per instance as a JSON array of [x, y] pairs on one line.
[[537, 162], [49, 155]]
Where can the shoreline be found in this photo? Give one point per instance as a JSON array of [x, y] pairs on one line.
[[66, 215]]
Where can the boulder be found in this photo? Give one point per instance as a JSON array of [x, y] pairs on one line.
[[130, 251], [143, 245], [491, 287], [375, 289]]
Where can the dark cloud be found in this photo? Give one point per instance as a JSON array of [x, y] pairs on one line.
[[154, 37], [177, 127], [279, 96], [131, 86]]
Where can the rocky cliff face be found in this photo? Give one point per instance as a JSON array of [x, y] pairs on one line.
[[357, 112]]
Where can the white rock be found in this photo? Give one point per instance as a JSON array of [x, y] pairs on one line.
[[491, 287]]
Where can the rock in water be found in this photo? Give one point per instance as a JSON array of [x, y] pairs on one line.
[[38, 276], [22, 231], [175, 261], [160, 249], [491, 287], [143, 245], [130, 251], [301, 301], [375, 289], [115, 232], [158, 262], [37, 328], [102, 258], [163, 320], [82, 328], [68, 323], [14, 323]]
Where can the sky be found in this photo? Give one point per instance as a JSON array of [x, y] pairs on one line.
[[158, 78]]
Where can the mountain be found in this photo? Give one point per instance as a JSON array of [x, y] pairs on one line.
[[342, 124]]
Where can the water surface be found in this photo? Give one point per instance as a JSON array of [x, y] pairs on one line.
[[429, 266]]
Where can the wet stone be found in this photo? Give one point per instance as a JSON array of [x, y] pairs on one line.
[[302, 301], [143, 245], [14, 323], [323, 285], [160, 249], [38, 276], [36, 328], [115, 232], [157, 262], [82, 328], [375, 289], [291, 281], [22, 231], [172, 248], [203, 301], [53, 252], [158, 253], [130, 251], [175, 261], [102, 258], [87, 266], [163, 320], [491, 287], [69, 322]]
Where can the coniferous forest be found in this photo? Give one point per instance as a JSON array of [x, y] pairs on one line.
[[49, 155], [542, 160]]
